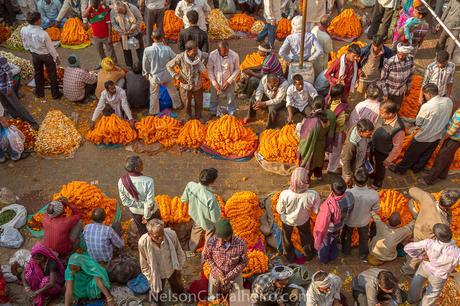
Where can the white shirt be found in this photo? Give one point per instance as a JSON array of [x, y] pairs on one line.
[[146, 205], [2, 110], [272, 10], [36, 40], [118, 102], [294, 208], [300, 99], [326, 44], [274, 96], [200, 6], [432, 119]]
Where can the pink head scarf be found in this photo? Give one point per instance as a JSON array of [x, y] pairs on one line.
[[299, 180]]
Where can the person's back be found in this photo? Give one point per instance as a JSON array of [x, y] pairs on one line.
[[104, 76], [433, 117], [346, 205], [202, 204], [366, 200], [137, 88], [158, 55], [193, 32]]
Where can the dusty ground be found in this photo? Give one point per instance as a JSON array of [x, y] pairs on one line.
[[35, 179]]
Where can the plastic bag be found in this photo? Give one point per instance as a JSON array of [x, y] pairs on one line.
[[121, 270], [139, 284], [16, 265], [19, 219], [10, 237], [165, 98], [133, 43], [227, 6], [16, 139]]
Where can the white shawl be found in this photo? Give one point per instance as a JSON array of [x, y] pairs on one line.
[[342, 71]]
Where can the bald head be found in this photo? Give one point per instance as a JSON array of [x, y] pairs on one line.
[[395, 219], [98, 215], [222, 48]]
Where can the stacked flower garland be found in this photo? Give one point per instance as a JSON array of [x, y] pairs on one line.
[[279, 145], [241, 22], [410, 104], [346, 25], [172, 211], [155, 129], [252, 60], [112, 130], [393, 201], [283, 29], [192, 134]]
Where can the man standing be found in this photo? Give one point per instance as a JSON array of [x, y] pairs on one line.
[[223, 71], [226, 255], [382, 14], [154, 69], [153, 11], [272, 14], [451, 18], [161, 258], [431, 122], [200, 6], [202, 207], [387, 140], [99, 18], [100, 239], [324, 290], [299, 96], [396, 77], [446, 155], [78, 84], [371, 63], [366, 201], [49, 10], [271, 95], [442, 73], [193, 32], [320, 32], [39, 44], [369, 108]]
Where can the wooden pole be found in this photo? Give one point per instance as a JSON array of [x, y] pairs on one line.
[[302, 41]]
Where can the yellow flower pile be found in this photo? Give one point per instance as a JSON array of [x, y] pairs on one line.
[[279, 145], [257, 27], [257, 264], [393, 201], [243, 212], [343, 50], [112, 130], [172, 211], [192, 134], [219, 27], [228, 136], [163, 130]]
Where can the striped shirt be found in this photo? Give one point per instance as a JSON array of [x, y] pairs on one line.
[[271, 64], [396, 76], [453, 128], [440, 76]]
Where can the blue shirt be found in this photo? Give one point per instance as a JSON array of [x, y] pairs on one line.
[[49, 11], [100, 239]]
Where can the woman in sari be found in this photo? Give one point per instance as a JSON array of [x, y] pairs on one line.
[[86, 279], [406, 13], [315, 130], [43, 275]]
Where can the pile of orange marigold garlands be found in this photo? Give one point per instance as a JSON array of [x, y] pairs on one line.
[[29, 133], [228, 136], [393, 201], [112, 130], [257, 264], [54, 33], [172, 211], [172, 25], [346, 25], [243, 212], [283, 29], [155, 129], [343, 50], [73, 33], [36, 222], [252, 60], [279, 145], [192, 134], [86, 197], [5, 32], [410, 104], [257, 27], [241, 22]]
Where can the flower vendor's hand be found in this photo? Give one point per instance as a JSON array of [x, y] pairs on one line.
[[260, 105], [386, 163], [424, 256]]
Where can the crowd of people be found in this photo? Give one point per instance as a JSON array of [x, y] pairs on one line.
[[359, 141]]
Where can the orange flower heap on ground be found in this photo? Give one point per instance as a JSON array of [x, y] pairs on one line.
[[241, 22], [393, 201], [85, 197], [279, 145], [192, 134], [172, 211], [163, 130], [346, 25], [112, 130], [54, 33], [36, 222], [410, 104], [252, 60], [283, 29], [257, 264], [73, 33], [268, 145], [228, 137], [172, 25]]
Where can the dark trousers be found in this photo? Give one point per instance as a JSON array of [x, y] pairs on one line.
[[175, 283], [153, 17], [329, 250], [272, 111], [442, 162], [141, 228], [306, 239], [379, 168], [363, 232], [381, 20], [187, 96], [140, 52], [416, 156], [396, 99], [40, 61], [8, 10]]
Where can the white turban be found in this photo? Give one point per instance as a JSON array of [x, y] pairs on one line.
[[260, 48], [405, 49], [296, 24], [325, 283], [281, 272]]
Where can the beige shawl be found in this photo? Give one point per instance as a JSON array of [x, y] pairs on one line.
[[125, 26]]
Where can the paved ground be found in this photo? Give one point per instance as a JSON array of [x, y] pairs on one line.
[[35, 179]]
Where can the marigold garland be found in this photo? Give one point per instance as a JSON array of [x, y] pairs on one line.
[[279, 145], [73, 32], [164, 130], [172, 25], [241, 22], [257, 27], [218, 27], [283, 28], [393, 201], [257, 263], [252, 60], [172, 211], [54, 33], [192, 134], [346, 25], [228, 136], [112, 130], [410, 104]]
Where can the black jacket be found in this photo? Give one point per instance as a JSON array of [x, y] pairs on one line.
[[196, 34]]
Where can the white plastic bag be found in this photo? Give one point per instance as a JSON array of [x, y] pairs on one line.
[[20, 258], [19, 219], [133, 43], [10, 237], [16, 139]]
